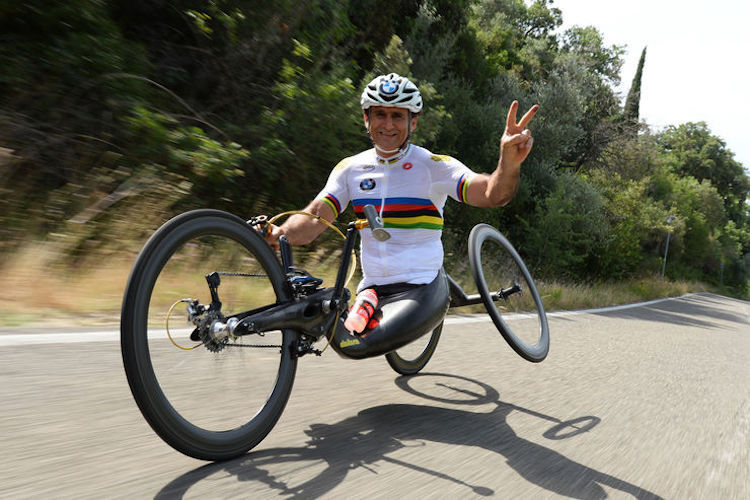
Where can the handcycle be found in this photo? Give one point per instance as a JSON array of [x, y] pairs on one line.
[[220, 396]]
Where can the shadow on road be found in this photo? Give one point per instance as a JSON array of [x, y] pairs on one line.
[[697, 311], [367, 438]]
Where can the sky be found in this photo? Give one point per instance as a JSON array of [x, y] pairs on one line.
[[697, 61]]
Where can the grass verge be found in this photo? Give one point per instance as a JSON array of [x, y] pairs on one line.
[[40, 291]]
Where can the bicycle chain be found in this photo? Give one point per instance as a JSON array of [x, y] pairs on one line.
[[260, 346], [244, 275]]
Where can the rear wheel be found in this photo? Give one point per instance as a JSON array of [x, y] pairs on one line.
[[508, 292], [209, 399], [411, 358]]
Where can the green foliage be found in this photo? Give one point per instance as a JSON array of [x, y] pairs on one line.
[[213, 14], [314, 121], [505, 29], [694, 151], [111, 109], [568, 230], [637, 226], [633, 101], [630, 157], [206, 163], [394, 59], [587, 44]]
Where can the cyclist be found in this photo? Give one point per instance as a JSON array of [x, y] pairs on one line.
[[409, 187]]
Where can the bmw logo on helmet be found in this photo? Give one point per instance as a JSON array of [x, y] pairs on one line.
[[388, 87]]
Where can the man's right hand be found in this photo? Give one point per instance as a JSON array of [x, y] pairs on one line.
[[300, 229]]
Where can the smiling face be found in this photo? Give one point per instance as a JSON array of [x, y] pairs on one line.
[[389, 128]]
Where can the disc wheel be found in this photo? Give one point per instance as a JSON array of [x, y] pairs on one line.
[[508, 292], [211, 400], [411, 358]]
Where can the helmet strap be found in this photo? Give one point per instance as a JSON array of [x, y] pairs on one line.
[[408, 132]]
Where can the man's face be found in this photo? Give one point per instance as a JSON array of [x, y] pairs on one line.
[[389, 126]]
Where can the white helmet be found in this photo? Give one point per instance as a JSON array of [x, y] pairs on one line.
[[394, 91]]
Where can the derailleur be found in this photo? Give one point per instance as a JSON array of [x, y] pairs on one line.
[[210, 329], [303, 346]]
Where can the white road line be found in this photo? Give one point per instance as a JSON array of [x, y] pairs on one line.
[[69, 338], [458, 319], [114, 335]]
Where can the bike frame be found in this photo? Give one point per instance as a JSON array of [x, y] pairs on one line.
[[313, 310]]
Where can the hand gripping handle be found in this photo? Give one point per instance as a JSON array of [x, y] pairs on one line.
[[376, 223]]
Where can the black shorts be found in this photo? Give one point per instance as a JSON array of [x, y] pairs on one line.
[[393, 288]]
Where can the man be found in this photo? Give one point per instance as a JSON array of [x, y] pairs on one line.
[[409, 186]]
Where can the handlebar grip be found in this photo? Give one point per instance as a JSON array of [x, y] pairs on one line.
[[376, 224]]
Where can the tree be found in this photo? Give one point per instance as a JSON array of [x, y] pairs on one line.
[[595, 69], [632, 103], [695, 152]]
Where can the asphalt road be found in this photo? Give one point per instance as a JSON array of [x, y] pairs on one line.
[[645, 402]]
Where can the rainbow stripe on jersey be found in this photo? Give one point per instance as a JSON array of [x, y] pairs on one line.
[[463, 183], [403, 213], [332, 202]]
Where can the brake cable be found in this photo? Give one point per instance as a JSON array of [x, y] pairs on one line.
[[169, 313]]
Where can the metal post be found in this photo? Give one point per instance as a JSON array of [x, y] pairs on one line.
[[670, 219], [664, 263]]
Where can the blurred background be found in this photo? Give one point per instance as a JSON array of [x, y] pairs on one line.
[[116, 116]]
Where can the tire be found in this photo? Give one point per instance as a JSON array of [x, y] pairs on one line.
[[520, 317], [210, 404], [411, 358]]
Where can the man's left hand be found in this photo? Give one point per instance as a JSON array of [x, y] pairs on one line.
[[517, 141]]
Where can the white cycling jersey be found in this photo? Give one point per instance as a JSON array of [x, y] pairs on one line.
[[409, 191]]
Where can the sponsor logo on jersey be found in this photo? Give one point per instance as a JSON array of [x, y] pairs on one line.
[[407, 166], [367, 185], [440, 157], [368, 168], [342, 164]]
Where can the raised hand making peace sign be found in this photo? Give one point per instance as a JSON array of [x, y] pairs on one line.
[[499, 188], [516, 142]]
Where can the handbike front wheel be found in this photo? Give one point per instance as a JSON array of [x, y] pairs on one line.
[[209, 399], [411, 358], [508, 292]]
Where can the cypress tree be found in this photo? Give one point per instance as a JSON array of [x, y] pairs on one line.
[[633, 101]]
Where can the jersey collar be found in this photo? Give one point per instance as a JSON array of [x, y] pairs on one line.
[[393, 159]]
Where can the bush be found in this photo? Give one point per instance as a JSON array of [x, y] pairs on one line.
[[568, 230]]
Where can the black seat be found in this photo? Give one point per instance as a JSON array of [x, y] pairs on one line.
[[406, 316]]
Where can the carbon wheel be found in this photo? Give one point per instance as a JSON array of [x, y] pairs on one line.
[[207, 398], [411, 358], [508, 292]]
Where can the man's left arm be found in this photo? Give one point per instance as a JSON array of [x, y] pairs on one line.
[[498, 188]]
